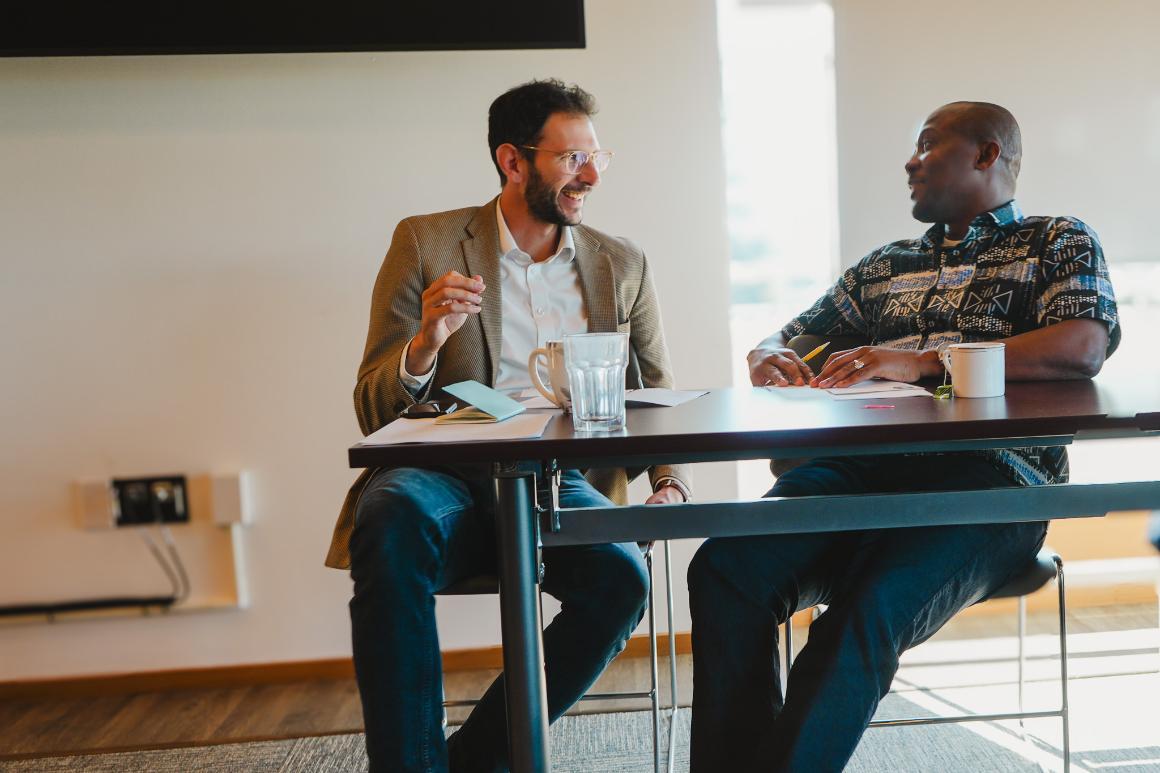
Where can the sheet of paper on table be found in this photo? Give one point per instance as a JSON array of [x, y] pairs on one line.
[[877, 389], [865, 390], [526, 425], [530, 399], [655, 396]]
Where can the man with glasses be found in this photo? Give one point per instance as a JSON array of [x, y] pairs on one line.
[[982, 272], [468, 294]]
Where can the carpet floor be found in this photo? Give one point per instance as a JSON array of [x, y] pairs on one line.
[[620, 742]]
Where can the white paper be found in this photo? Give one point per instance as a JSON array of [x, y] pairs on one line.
[[537, 401], [892, 395], [798, 391], [873, 385], [877, 389], [525, 425], [863, 390], [655, 396]]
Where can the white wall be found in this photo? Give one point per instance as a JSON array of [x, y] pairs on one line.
[[1080, 76], [188, 246]]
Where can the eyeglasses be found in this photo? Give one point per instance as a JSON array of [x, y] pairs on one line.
[[427, 410], [575, 160]]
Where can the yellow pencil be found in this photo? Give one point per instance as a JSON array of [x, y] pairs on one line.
[[815, 352]]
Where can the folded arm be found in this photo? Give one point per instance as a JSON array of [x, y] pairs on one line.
[[1072, 349]]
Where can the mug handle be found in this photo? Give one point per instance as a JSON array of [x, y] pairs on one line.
[[944, 356], [534, 373]]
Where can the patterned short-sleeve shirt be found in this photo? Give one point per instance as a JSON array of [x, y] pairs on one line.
[[1010, 275]]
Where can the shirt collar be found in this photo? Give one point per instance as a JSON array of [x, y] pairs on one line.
[[565, 248], [1000, 216], [1004, 214]]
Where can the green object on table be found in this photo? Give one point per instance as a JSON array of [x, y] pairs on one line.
[[944, 392]]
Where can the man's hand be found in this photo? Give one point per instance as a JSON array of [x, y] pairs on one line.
[[666, 495], [446, 304], [777, 366], [843, 369]]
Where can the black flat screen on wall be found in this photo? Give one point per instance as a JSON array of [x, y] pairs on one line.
[[120, 27]]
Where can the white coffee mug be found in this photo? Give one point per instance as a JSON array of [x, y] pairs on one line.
[[977, 369], [556, 390]]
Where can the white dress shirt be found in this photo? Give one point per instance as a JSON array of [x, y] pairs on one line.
[[541, 302]]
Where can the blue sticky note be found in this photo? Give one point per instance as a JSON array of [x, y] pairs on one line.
[[485, 399]]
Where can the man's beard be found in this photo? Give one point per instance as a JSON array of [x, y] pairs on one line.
[[542, 202], [922, 213], [927, 211]]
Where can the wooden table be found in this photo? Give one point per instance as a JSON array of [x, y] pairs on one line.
[[747, 423]]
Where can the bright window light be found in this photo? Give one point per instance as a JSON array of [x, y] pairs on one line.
[[781, 162]]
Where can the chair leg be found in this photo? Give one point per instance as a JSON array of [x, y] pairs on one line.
[[1063, 663], [1022, 660], [673, 703], [788, 642], [654, 692], [787, 639]]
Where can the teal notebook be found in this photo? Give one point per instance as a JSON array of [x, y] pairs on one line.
[[487, 405]]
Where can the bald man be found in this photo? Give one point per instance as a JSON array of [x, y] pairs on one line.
[[982, 272]]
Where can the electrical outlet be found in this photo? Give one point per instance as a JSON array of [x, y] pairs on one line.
[[150, 500]]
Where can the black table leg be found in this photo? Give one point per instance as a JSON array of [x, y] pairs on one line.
[[523, 644]]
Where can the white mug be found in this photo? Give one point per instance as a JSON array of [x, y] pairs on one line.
[[977, 369], [556, 390]]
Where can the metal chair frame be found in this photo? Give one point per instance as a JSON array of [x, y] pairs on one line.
[[1021, 714], [653, 693]]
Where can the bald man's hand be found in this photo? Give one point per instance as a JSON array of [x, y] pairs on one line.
[[843, 369], [777, 366]]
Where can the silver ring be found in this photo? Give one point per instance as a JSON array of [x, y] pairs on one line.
[[858, 365]]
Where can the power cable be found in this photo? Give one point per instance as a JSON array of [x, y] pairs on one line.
[[171, 544], [165, 567]]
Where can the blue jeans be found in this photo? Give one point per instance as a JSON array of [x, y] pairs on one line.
[[420, 530], [886, 591]]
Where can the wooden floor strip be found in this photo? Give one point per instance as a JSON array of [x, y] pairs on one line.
[[266, 673]]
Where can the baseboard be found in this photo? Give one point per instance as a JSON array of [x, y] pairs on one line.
[[465, 659], [178, 679], [267, 673]]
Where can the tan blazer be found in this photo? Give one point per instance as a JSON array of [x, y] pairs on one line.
[[618, 296]]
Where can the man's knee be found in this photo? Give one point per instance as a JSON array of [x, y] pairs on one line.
[[614, 584], [711, 564], [875, 626], [396, 522], [628, 575]]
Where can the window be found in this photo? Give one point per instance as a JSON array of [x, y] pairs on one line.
[[781, 171]]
